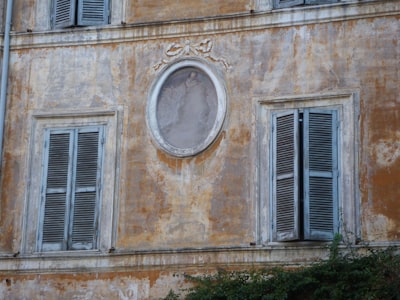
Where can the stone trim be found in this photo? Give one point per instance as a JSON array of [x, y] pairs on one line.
[[182, 259]]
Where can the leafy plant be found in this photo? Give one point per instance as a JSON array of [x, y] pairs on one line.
[[375, 275]]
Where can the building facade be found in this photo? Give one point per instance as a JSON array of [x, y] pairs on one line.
[[142, 142]]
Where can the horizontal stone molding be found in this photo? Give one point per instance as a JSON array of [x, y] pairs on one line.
[[296, 16], [181, 259]]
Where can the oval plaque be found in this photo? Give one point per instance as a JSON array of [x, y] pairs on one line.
[[186, 108]]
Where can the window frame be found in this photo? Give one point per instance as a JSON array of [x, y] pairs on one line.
[[347, 105], [42, 122]]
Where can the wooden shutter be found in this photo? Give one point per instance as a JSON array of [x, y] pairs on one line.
[[320, 174], [63, 14], [92, 12], [285, 176], [86, 187], [71, 189], [54, 216], [287, 3]]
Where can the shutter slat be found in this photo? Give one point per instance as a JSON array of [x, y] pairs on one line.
[[87, 160], [58, 161], [285, 165], [320, 175], [63, 13], [54, 218], [92, 12], [84, 221]]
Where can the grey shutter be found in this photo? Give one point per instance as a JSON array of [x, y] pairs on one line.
[[320, 174], [86, 187], [63, 14], [93, 12], [285, 176], [57, 170], [287, 3], [320, 1]]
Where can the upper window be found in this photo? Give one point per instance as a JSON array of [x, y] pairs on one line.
[[304, 174], [289, 3], [66, 13]]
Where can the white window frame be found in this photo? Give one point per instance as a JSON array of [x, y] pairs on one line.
[[42, 122], [347, 106]]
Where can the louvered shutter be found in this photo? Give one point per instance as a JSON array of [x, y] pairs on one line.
[[92, 12], [53, 234], [72, 186], [86, 189], [285, 176], [63, 13], [320, 174], [287, 3]]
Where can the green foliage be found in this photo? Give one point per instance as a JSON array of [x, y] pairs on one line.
[[171, 296], [342, 276]]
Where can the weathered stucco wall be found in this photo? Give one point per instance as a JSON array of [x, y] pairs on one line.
[[147, 11], [117, 285], [209, 200]]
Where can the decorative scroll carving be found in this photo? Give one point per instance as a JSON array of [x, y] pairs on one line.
[[188, 48]]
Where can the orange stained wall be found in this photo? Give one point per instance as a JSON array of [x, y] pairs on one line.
[[210, 199]]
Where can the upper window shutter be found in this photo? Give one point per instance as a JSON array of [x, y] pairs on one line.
[[287, 3], [53, 234], [285, 176], [320, 174], [63, 13], [86, 189], [92, 12]]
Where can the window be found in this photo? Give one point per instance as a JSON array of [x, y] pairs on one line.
[[307, 170], [67, 13], [289, 3], [71, 189], [72, 195], [304, 174]]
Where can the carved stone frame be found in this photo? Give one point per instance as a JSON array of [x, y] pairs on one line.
[[154, 97]]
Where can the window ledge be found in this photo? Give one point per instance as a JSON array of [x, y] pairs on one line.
[[95, 261]]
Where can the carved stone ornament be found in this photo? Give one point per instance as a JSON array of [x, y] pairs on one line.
[[201, 49], [186, 108]]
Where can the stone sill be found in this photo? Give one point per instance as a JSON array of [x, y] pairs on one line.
[[293, 254]]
